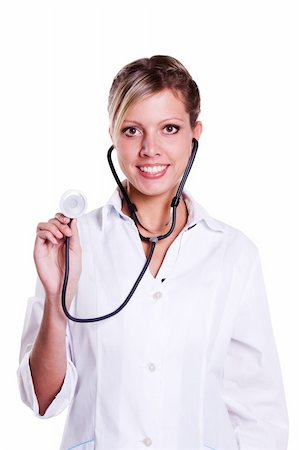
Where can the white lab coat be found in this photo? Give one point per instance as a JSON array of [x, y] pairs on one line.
[[189, 364]]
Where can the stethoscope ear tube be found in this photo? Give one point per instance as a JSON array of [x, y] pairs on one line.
[[174, 203], [153, 240]]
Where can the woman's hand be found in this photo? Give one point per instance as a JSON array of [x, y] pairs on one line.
[[49, 251]]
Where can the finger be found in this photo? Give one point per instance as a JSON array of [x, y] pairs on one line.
[[55, 227], [46, 235], [62, 218], [65, 229]]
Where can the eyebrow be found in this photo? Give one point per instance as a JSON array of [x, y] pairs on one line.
[[162, 121]]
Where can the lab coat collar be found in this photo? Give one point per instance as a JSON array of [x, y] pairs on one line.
[[196, 213]]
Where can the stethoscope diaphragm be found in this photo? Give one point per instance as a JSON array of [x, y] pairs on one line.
[[73, 203]]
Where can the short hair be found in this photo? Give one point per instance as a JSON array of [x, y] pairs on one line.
[[145, 77]]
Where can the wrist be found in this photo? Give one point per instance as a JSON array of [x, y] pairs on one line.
[[53, 309]]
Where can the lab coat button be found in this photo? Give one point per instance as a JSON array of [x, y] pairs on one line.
[[147, 442], [157, 295], [151, 367]]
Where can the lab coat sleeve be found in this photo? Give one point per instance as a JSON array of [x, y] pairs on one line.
[[31, 326], [253, 389]]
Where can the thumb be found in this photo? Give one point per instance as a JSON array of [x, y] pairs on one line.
[[74, 240]]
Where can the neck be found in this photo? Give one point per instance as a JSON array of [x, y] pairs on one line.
[[155, 212]]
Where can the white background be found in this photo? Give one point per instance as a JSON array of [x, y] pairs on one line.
[[57, 63]]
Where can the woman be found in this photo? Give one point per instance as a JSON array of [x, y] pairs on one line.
[[190, 362]]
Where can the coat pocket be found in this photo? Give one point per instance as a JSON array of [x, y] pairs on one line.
[[87, 445]]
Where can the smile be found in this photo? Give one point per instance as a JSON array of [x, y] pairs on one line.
[[152, 169]]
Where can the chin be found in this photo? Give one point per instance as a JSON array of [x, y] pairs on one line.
[[157, 191]]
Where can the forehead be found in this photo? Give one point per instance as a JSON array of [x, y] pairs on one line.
[[157, 106]]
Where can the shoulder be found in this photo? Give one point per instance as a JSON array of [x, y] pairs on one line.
[[92, 221], [235, 241], [99, 221], [238, 243], [103, 216]]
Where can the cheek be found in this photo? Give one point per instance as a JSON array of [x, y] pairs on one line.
[[127, 152], [124, 160], [182, 164]]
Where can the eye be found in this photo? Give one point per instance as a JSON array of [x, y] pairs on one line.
[[131, 131], [171, 129]]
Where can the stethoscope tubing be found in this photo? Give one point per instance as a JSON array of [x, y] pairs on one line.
[[117, 310], [153, 240]]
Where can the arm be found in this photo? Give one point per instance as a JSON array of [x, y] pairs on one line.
[[253, 390], [32, 325], [46, 326], [48, 360]]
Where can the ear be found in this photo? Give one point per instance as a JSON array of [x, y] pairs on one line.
[[197, 130], [111, 137]]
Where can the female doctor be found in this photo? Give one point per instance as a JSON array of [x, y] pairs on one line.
[[190, 362]]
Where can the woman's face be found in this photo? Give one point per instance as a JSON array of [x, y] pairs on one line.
[[155, 143]]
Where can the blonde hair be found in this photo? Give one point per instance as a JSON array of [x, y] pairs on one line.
[[145, 77]]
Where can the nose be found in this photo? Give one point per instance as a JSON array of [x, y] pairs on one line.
[[150, 147]]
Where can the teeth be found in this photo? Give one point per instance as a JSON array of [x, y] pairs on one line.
[[152, 169]]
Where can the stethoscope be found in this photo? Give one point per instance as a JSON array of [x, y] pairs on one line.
[[133, 213]]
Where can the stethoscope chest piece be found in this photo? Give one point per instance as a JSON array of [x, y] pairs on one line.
[[73, 203]]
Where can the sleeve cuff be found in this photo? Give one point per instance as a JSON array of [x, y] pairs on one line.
[[62, 399]]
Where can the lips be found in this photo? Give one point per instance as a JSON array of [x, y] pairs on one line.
[[153, 170]]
